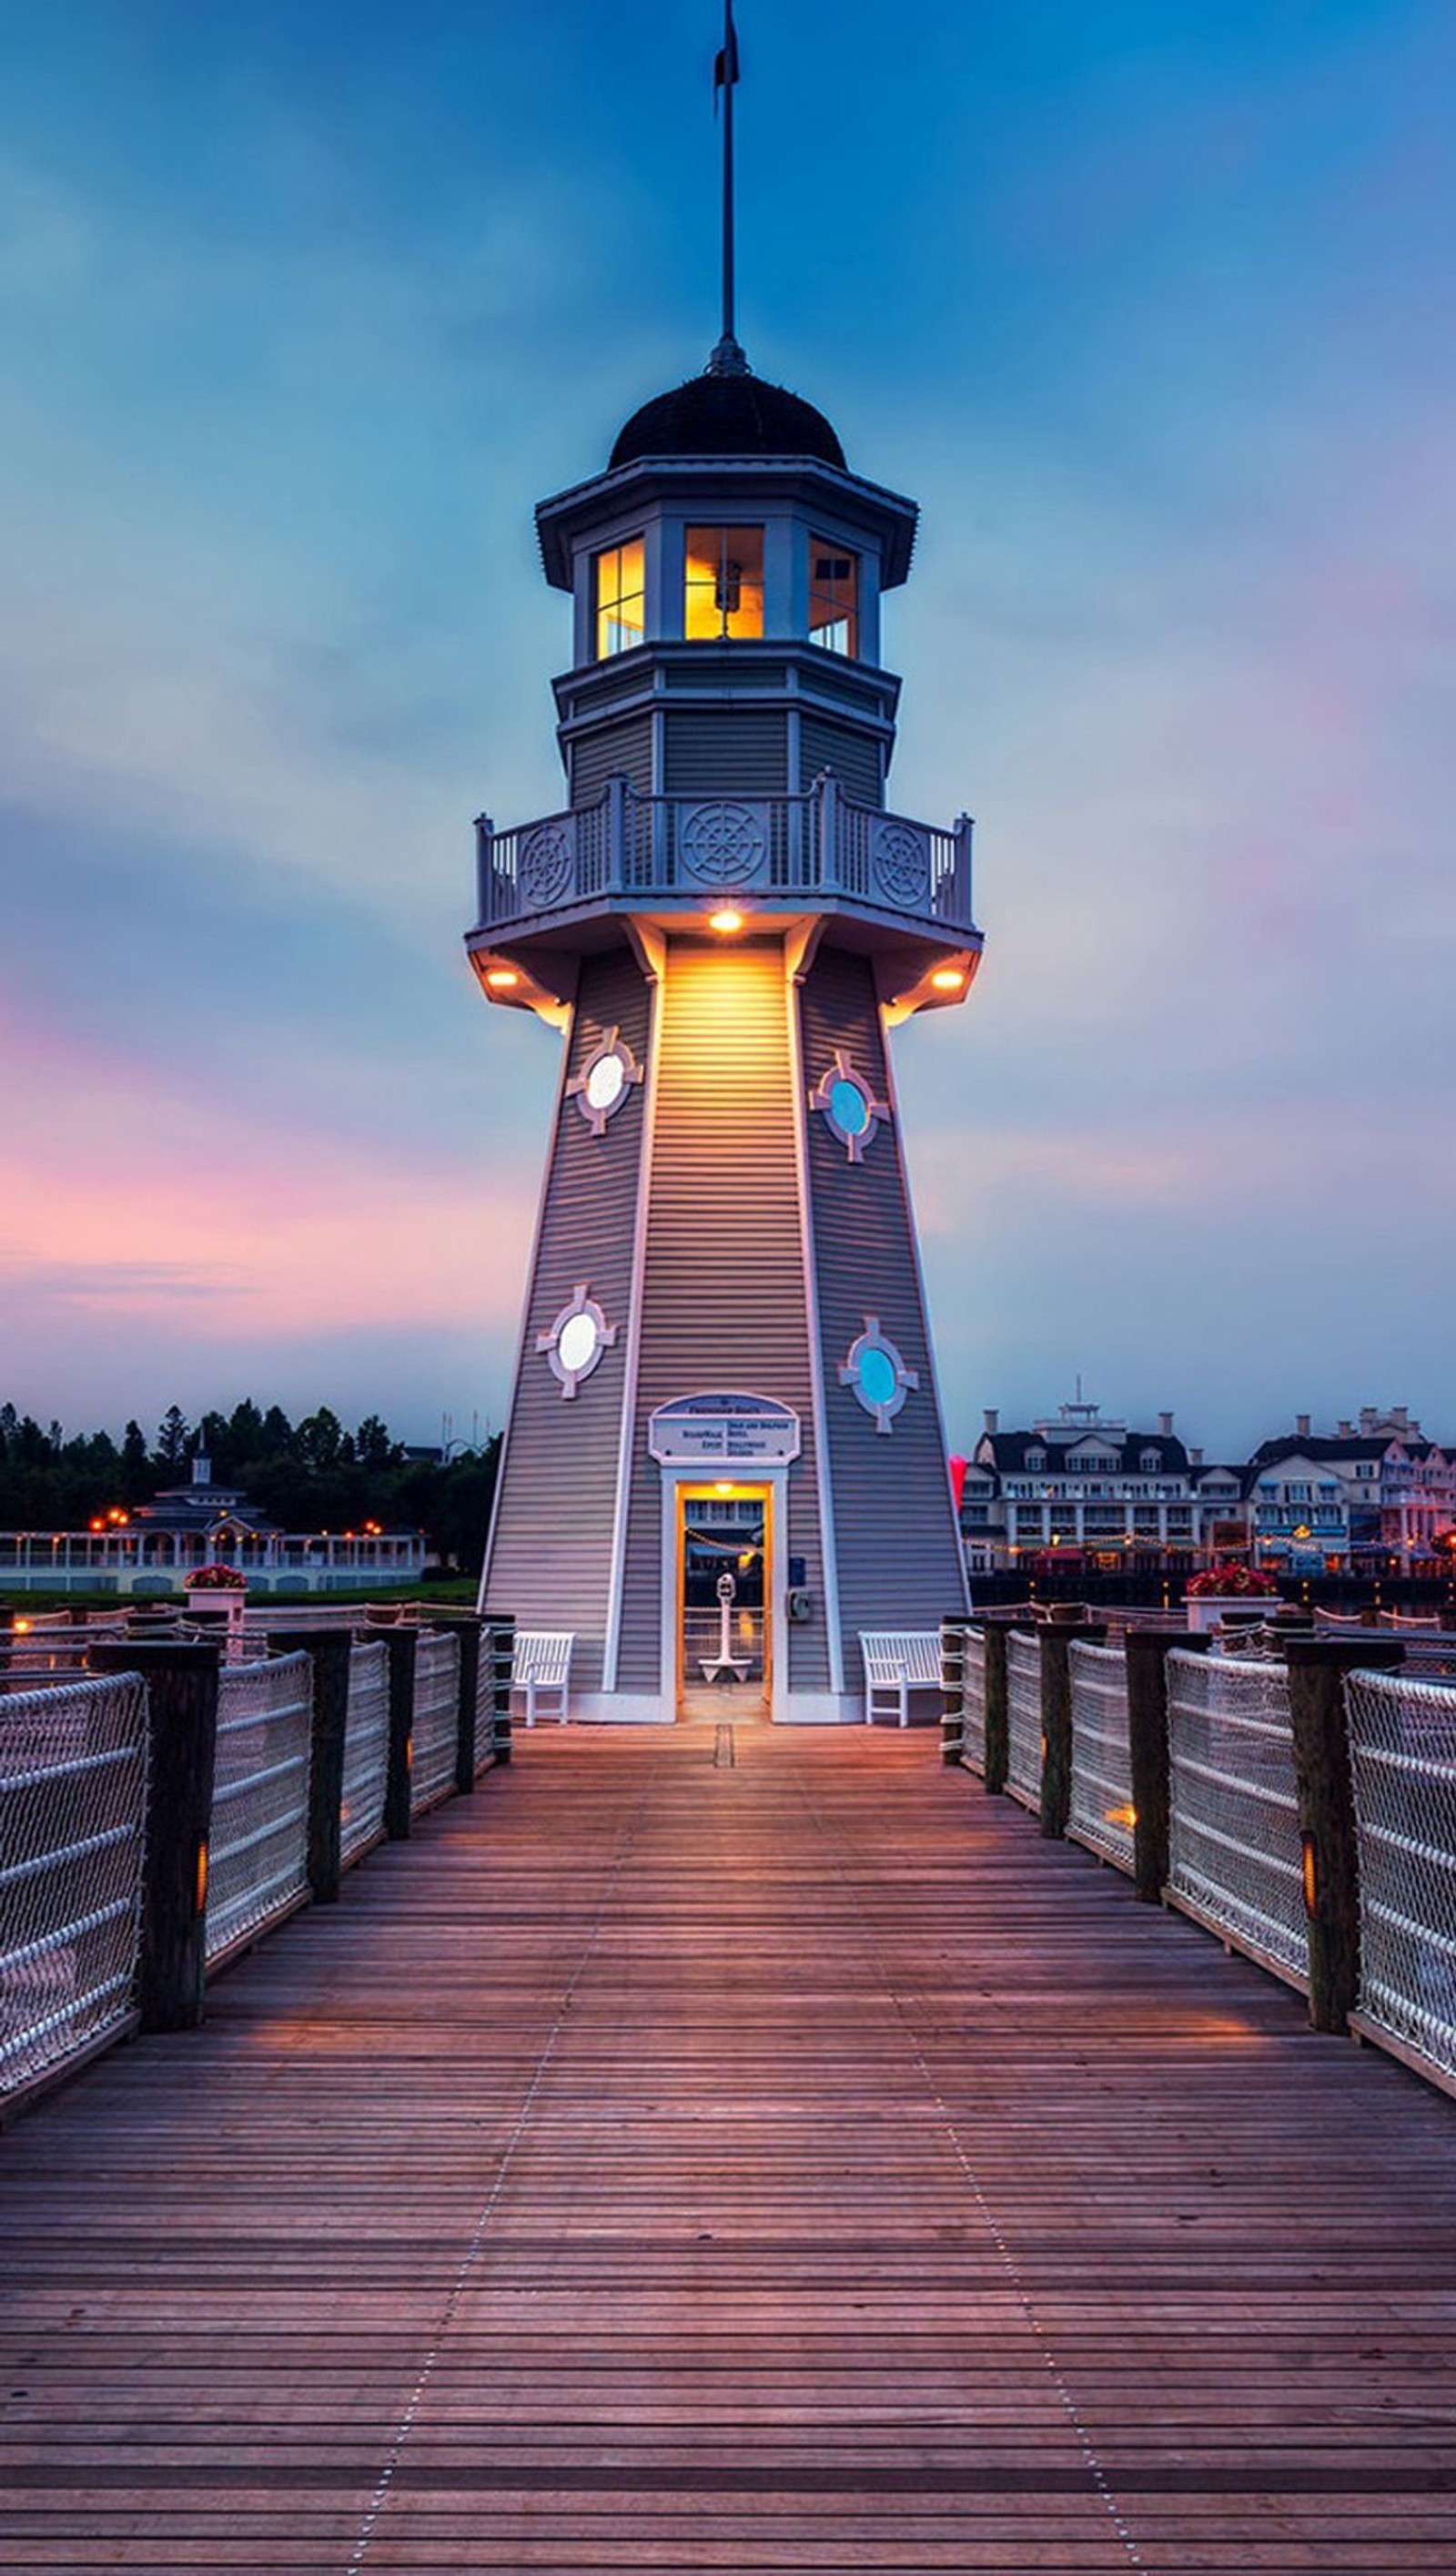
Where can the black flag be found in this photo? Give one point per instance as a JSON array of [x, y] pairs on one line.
[[725, 63]]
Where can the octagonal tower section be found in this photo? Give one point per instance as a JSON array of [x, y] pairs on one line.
[[725, 1457]]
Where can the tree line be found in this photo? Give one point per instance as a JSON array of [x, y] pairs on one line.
[[308, 1475]]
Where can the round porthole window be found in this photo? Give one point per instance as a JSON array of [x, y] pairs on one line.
[[876, 1375], [604, 1080], [848, 1104], [576, 1340]]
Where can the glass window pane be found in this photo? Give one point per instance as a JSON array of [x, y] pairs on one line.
[[619, 597], [833, 596], [723, 584]]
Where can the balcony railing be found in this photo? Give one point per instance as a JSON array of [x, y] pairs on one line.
[[820, 847]]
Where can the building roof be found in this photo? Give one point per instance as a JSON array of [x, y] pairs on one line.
[[1009, 1451], [727, 415]]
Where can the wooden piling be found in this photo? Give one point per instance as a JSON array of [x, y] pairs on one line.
[[181, 1685], [998, 1709], [1317, 1670], [402, 1645], [1147, 1651], [328, 1649]]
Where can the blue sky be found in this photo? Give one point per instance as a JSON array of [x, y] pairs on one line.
[[303, 308]]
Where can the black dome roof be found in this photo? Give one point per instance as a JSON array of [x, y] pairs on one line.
[[727, 415]]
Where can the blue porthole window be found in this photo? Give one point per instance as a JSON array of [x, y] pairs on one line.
[[850, 1108], [603, 1081], [876, 1375], [577, 1340]]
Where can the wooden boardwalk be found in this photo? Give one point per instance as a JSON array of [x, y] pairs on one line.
[[730, 2149]]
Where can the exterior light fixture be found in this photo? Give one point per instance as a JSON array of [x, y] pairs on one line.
[[722, 1487], [725, 922], [948, 979], [502, 979]]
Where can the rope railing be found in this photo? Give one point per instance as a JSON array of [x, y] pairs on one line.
[[1023, 1706], [73, 1786], [1235, 1857], [973, 1701], [259, 1840], [1101, 1813], [436, 1718], [366, 1750], [1403, 1765]]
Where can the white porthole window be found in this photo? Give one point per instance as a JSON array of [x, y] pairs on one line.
[[850, 1108], [876, 1375], [603, 1081], [576, 1341]]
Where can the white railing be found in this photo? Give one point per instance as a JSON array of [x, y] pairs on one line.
[[973, 1700], [1235, 1858], [258, 1853], [1403, 1763], [436, 1718], [1101, 1810], [73, 1789], [1023, 1719], [810, 847]]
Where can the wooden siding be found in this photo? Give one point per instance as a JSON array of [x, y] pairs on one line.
[[898, 1550], [854, 757], [551, 1555], [594, 756], [723, 1291], [728, 751]]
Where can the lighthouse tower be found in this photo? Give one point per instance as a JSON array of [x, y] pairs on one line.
[[725, 1456]]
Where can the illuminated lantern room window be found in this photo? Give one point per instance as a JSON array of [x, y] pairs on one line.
[[723, 587], [833, 597], [619, 598]]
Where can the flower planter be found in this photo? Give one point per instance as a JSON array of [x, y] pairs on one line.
[[1239, 1609]]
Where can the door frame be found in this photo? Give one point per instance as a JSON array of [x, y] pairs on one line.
[[681, 1485]]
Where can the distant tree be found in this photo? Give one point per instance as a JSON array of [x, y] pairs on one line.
[[9, 1427], [135, 1478], [319, 1439], [213, 1440], [277, 1437], [373, 1446], [246, 1436], [172, 1436]]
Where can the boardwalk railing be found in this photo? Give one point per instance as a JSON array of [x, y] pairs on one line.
[[1299, 1806], [73, 1781], [163, 1809]]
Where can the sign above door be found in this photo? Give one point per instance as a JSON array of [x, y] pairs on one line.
[[726, 1429]]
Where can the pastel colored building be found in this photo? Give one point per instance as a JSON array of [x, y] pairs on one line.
[[725, 1457]]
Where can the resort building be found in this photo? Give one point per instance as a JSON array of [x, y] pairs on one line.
[[1087, 1492], [1368, 1497], [149, 1552]]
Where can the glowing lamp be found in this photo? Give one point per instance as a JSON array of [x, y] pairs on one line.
[[502, 979], [723, 1489], [725, 922], [1309, 1873], [947, 979]]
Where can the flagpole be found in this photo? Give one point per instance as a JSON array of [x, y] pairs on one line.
[[730, 54]]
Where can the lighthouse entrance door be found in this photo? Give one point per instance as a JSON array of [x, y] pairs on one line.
[[725, 1645]]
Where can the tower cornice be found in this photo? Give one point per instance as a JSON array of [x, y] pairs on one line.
[[585, 508]]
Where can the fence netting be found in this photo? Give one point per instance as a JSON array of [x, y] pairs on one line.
[[73, 1786], [366, 1749], [1403, 1759], [1234, 1848], [1101, 1810], [973, 1700], [1023, 1718], [258, 1859], [436, 1724]]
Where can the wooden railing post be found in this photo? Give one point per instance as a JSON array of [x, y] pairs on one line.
[[466, 1751], [1147, 1651], [953, 1686], [328, 1650], [998, 1707], [182, 1731], [403, 1645], [1055, 1646], [502, 1628], [1327, 1833]]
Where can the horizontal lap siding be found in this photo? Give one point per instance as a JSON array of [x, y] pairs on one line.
[[899, 1555], [625, 746], [551, 1556], [723, 1293], [731, 751], [854, 757]]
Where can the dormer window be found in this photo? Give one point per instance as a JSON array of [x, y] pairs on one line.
[[619, 598], [833, 597], [723, 584], [1036, 1459], [1150, 1461]]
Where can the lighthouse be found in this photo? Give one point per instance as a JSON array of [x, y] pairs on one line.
[[725, 1458]]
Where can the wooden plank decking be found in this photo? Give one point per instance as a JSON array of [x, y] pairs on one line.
[[733, 2149]]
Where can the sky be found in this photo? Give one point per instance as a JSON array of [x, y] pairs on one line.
[[303, 307]]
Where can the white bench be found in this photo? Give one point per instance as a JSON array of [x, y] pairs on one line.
[[896, 1662], [542, 1668]]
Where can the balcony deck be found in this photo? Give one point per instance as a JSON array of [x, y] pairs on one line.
[[816, 851]]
